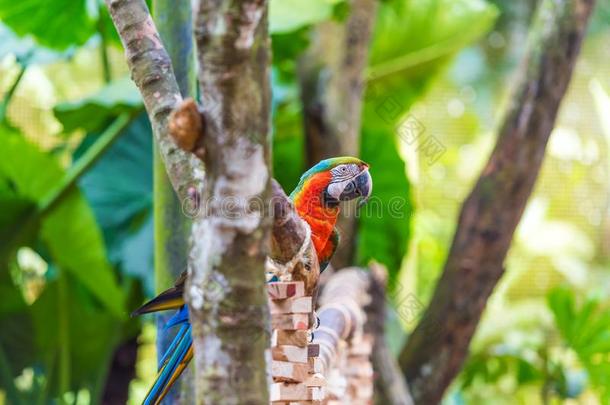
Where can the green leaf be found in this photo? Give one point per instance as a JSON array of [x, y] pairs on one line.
[[25, 49], [384, 222], [69, 231], [92, 113], [88, 339], [288, 142], [57, 24], [585, 329], [561, 302], [13, 213], [409, 34], [75, 243], [119, 190], [290, 15]]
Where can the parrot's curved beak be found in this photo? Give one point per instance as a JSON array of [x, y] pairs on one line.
[[359, 186]]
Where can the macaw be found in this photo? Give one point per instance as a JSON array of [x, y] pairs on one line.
[[316, 199]]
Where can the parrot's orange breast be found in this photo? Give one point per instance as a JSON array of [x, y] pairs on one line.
[[309, 204]]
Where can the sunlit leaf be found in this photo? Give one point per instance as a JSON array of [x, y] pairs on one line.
[[290, 15], [57, 24], [25, 49], [92, 113], [69, 231]]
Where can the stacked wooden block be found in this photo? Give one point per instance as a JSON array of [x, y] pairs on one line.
[[351, 378], [296, 369]]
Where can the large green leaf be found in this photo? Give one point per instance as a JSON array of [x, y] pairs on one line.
[[410, 34], [69, 230], [119, 190], [290, 15], [65, 320], [57, 24], [93, 112], [25, 49], [384, 223]]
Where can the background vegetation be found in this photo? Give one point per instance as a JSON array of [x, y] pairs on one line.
[[76, 229]]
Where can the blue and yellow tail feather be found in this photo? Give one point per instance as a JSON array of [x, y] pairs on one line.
[[173, 363]]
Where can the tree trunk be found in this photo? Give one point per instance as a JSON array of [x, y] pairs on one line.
[[331, 75], [172, 226], [390, 385], [226, 286], [437, 348]]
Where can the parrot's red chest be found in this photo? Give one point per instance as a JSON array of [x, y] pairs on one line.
[[309, 204]]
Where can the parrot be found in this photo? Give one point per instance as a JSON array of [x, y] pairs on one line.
[[316, 200]]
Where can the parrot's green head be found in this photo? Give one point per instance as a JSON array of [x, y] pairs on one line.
[[337, 179]]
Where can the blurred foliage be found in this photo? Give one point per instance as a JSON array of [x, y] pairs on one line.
[[521, 354], [413, 42], [560, 353]]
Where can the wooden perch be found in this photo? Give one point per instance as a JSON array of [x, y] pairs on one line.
[[437, 348], [289, 236], [341, 311]]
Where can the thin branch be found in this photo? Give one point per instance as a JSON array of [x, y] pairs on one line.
[[101, 30], [151, 70], [437, 348]]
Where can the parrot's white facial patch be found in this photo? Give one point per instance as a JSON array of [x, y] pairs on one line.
[[335, 189], [345, 171], [342, 176]]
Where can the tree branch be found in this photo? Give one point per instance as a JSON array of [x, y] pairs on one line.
[[288, 236], [151, 70], [225, 289], [437, 348], [331, 76]]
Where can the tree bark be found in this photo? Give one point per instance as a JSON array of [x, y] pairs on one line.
[[437, 348], [151, 70], [331, 78], [225, 289], [390, 385], [172, 226], [289, 234]]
